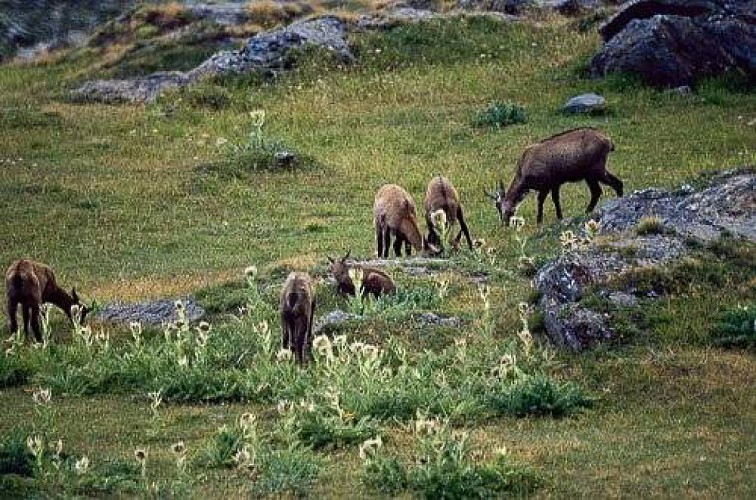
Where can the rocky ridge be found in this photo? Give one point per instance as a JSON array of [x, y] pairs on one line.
[[726, 206]]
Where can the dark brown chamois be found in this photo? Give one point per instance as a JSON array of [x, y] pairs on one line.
[[297, 310], [394, 213], [374, 281], [572, 156], [441, 195], [32, 284]]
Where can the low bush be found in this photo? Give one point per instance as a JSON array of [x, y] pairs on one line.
[[500, 115]]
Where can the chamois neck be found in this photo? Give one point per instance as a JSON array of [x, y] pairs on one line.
[[59, 297], [409, 229], [516, 191]]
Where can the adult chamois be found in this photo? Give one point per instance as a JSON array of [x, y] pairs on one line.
[[394, 213], [32, 284], [297, 309], [441, 195], [374, 281], [570, 156]]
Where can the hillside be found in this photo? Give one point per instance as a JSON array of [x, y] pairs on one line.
[[450, 387]]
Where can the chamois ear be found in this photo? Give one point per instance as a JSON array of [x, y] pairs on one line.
[[501, 186], [74, 295], [346, 255]]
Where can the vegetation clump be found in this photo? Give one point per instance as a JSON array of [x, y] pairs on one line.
[[501, 114]]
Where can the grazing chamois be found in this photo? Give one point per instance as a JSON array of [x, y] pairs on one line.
[[571, 156], [441, 195], [31, 284], [395, 214], [297, 310], [374, 281]]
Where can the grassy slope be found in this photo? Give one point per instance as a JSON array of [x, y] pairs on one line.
[[108, 196]]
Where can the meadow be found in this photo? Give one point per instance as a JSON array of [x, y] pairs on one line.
[[132, 202]]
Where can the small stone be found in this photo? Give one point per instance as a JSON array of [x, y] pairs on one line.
[[585, 103]]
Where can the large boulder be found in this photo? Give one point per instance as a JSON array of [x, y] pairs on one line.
[[267, 51], [670, 43], [727, 205]]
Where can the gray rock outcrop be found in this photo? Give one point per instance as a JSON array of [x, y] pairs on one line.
[[585, 103], [671, 43], [267, 51], [728, 204], [154, 312]]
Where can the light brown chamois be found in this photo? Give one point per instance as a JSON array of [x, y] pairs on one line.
[[441, 195], [32, 284], [395, 214], [571, 156], [297, 310], [374, 281]]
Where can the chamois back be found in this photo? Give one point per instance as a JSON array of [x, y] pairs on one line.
[[442, 195], [297, 309], [570, 156], [394, 214], [31, 284]]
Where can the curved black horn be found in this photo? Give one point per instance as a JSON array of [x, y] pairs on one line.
[[346, 256], [501, 185]]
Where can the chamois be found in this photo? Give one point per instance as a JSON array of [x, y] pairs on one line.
[[31, 284], [571, 156], [441, 195], [374, 281], [394, 212], [297, 310]]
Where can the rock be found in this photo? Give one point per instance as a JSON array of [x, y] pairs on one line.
[[333, 320], [285, 158], [683, 90], [585, 103], [566, 7], [672, 43], [728, 203], [575, 327], [155, 312], [433, 319], [267, 51]]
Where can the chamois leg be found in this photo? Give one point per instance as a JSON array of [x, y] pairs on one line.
[[407, 248], [595, 195], [557, 204], [541, 198], [308, 338], [379, 240], [386, 242], [463, 229], [399, 239], [614, 182], [12, 307], [26, 314], [35, 322], [300, 339], [285, 333]]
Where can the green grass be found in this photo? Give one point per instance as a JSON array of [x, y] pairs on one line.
[[113, 199]]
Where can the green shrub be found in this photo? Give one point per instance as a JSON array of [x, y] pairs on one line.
[[15, 457], [650, 224], [540, 395], [290, 470], [736, 327], [13, 370], [500, 115], [443, 468]]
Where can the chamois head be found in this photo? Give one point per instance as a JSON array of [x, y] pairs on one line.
[[82, 307], [504, 207], [338, 265]]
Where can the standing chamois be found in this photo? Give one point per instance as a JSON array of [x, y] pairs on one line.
[[394, 213], [374, 281], [297, 310], [31, 284], [441, 195], [571, 156]]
